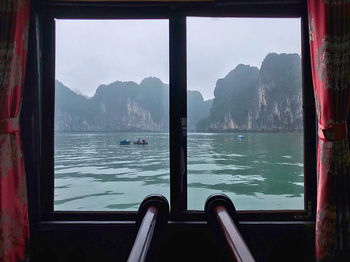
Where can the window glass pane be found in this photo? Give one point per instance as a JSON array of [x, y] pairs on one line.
[[245, 112], [111, 91]]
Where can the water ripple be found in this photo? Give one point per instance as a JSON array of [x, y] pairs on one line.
[[94, 172]]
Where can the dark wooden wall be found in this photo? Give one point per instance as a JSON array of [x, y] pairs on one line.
[[181, 242]]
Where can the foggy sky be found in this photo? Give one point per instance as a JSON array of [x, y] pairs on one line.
[[94, 52]]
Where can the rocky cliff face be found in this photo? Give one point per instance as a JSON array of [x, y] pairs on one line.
[[120, 106], [235, 99], [280, 93], [269, 99], [123, 106]]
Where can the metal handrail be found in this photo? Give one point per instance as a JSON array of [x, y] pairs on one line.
[[221, 214], [153, 214], [239, 250], [144, 236]]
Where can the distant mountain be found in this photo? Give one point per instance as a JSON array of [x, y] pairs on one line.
[[127, 106], [197, 109], [123, 106], [268, 99], [252, 99], [72, 111]]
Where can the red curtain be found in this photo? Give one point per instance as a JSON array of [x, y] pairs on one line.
[[329, 30], [14, 230]]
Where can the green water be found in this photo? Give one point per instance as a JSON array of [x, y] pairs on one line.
[[261, 171]]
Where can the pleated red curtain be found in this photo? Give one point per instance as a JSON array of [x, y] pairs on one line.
[[329, 30], [14, 229]]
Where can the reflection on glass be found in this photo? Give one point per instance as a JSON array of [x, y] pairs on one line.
[[111, 113], [245, 112]]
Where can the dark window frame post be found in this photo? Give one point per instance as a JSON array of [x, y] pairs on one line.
[[178, 114]]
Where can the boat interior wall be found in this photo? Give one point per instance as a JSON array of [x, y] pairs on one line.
[[182, 242], [86, 237]]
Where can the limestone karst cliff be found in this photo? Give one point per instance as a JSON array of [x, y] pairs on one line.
[[247, 98], [269, 99], [123, 106]]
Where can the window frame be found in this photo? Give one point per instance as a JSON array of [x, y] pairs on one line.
[[176, 14]]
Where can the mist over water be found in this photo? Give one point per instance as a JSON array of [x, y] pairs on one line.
[[262, 171]]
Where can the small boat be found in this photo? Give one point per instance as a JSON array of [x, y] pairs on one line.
[[141, 142], [240, 137], [124, 142]]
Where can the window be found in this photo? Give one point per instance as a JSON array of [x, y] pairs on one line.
[[111, 113], [176, 170], [245, 117]]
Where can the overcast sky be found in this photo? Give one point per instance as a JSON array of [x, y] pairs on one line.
[[94, 52]]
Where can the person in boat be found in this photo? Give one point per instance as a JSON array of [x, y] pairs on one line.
[[138, 140], [143, 141]]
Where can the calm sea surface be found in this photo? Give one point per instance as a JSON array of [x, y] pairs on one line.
[[261, 171]]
